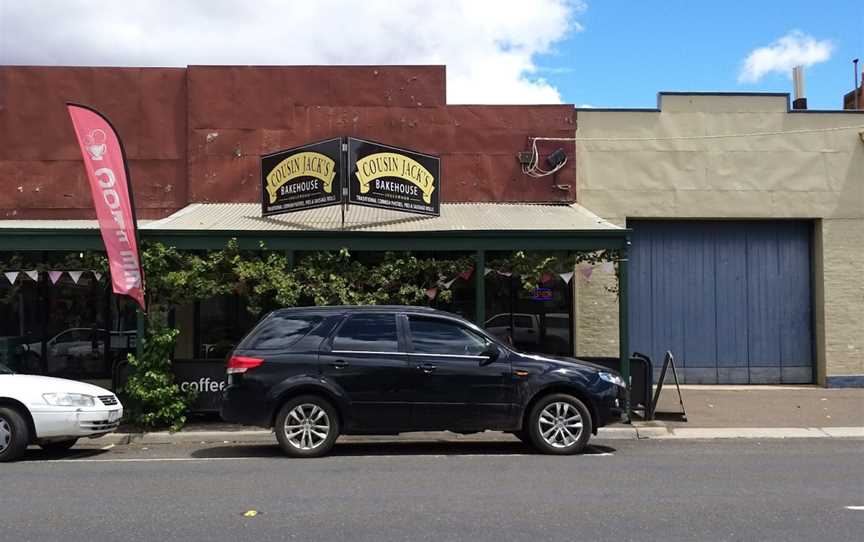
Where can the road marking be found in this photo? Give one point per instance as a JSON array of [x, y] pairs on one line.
[[333, 457], [136, 460], [856, 508]]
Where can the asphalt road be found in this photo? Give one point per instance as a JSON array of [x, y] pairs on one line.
[[622, 490]]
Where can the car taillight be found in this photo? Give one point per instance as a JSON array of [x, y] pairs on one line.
[[241, 364]]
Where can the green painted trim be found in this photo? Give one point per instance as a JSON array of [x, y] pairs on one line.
[[480, 288], [623, 323]]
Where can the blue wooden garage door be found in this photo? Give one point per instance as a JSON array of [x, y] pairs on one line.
[[732, 300]]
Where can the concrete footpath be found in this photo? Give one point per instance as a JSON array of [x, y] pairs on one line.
[[724, 412]]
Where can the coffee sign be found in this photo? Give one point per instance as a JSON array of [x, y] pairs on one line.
[[302, 178], [393, 178]]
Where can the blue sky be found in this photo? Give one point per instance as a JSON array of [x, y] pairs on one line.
[[628, 51]]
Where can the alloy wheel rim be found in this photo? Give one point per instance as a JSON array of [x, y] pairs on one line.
[[307, 426], [560, 425], [5, 434]]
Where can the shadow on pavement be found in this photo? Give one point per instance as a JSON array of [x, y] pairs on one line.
[[37, 454], [355, 449]]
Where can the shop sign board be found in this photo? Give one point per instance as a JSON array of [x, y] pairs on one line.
[[542, 294], [393, 178], [302, 178]]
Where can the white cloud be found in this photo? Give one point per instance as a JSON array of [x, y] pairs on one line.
[[489, 46], [795, 48]]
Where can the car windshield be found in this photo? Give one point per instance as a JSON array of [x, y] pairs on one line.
[[5, 370]]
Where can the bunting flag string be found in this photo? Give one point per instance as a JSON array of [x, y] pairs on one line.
[[54, 275], [585, 271]]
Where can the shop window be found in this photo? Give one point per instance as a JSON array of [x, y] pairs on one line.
[[222, 322]]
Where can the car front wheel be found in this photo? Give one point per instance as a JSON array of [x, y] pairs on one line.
[[307, 426], [560, 424], [14, 434]]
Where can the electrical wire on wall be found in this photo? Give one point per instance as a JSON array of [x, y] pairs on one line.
[[533, 167]]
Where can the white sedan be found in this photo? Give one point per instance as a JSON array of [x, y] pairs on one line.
[[51, 412]]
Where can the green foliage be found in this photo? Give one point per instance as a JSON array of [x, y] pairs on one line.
[[153, 399]]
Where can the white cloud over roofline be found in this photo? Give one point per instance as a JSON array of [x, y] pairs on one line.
[[489, 46], [793, 49]]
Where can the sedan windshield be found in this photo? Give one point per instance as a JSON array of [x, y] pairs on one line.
[[5, 370]]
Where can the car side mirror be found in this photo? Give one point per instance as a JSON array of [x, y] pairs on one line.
[[491, 354]]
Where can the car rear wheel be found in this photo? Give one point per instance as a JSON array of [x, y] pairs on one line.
[[14, 434], [58, 445], [307, 426], [560, 424]]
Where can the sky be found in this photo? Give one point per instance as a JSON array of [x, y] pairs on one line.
[[591, 53]]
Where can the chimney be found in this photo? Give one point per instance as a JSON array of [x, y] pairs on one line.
[[855, 99], [800, 101]]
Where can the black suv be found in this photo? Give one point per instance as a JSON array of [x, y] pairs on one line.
[[315, 373]]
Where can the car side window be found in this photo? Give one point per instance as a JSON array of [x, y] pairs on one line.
[[281, 331], [368, 333], [499, 321], [436, 336], [523, 321]]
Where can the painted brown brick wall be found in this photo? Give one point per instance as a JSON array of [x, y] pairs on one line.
[[196, 134]]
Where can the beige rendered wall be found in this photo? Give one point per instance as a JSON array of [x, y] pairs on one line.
[[684, 162]]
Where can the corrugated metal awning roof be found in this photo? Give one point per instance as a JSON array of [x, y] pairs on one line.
[[236, 217]]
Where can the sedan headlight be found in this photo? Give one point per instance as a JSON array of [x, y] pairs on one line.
[[613, 378], [69, 399]]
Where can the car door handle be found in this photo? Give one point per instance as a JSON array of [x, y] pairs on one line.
[[427, 368], [339, 364]]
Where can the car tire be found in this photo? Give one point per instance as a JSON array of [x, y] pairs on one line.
[[559, 424], [14, 434], [58, 446], [307, 426]]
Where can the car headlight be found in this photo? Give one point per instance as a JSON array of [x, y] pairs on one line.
[[613, 379], [69, 399]]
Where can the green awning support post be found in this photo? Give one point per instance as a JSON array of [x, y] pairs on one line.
[[480, 288], [289, 255], [139, 332], [623, 323]]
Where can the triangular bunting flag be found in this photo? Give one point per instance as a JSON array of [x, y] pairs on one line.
[[487, 272], [467, 273], [566, 277], [431, 293], [586, 272], [33, 274], [98, 275], [546, 278], [75, 275], [449, 282], [55, 276], [505, 273], [11, 275], [608, 267]]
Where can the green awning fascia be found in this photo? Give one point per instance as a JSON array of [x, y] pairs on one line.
[[70, 239]]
